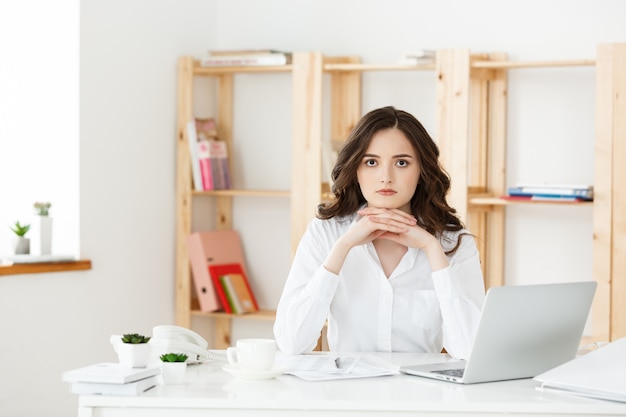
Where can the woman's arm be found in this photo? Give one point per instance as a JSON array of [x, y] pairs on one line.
[[307, 294], [460, 289]]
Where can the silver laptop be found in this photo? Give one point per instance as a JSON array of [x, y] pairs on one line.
[[524, 330]]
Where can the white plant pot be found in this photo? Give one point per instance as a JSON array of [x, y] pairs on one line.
[[173, 372], [21, 245], [41, 235], [134, 355]]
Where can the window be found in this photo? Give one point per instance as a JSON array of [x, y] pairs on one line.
[[39, 117]]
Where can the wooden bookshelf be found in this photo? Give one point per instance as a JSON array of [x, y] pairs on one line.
[[472, 113]]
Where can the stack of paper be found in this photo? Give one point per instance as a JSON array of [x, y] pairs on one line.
[[324, 368], [598, 374], [111, 379]]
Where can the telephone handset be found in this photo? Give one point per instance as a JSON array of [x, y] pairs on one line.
[[178, 339]]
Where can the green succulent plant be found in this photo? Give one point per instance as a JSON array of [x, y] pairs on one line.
[[19, 229], [134, 338], [173, 357]]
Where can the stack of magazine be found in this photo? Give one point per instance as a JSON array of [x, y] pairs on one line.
[[112, 379], [245, 57], [550, 192]]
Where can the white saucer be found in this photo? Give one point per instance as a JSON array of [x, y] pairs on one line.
[[253, 375]]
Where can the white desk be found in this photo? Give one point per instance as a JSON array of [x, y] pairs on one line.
[[211, 391]]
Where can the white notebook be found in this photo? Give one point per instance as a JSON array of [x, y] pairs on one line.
[[598, 374], [109, 373]]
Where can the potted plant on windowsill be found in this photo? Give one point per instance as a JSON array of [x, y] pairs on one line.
[[21, 243], [134, 351], [173, 368]]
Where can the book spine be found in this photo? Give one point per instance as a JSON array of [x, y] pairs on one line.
[[231, 295], [219, 159], [206, 165], [193, 153]]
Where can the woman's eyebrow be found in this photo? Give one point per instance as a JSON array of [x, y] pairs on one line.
[[402, 155]]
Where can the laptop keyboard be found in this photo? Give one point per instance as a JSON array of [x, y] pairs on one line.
[[451, 372]]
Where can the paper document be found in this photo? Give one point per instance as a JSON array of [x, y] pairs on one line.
[[329, 367], [599, 374]]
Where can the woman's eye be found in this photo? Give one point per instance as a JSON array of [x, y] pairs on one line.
[[370, 162], [402, 163]]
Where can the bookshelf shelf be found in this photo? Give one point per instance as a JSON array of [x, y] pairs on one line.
[[244, 193], [265, 315], [208, 71], [497, 201], [532, 64]]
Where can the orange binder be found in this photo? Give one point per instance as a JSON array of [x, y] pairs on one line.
[[211, 248]]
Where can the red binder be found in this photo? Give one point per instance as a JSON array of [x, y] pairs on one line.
[[211, 248]]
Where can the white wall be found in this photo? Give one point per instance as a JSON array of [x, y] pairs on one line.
[[54, 322]]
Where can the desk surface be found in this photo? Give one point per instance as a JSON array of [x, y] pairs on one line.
[[210, 390]]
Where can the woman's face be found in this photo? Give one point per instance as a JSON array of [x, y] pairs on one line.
[[389, 171]]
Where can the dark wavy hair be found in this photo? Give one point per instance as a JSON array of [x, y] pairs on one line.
[[428, 204]]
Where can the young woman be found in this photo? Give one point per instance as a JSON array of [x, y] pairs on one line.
[[387, 262]]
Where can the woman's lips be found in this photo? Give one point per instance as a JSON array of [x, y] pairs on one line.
[[386, 191]]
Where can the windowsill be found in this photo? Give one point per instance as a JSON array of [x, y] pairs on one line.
[[15, 269]]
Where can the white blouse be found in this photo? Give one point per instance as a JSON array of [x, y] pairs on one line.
[[414, 310]]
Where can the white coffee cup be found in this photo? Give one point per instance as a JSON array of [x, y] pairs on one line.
[[253, 355]]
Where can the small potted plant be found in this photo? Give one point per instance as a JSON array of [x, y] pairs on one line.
[[173, 368], [21, 243], [134, 351]]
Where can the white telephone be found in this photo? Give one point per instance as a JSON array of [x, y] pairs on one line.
[[181, 340]]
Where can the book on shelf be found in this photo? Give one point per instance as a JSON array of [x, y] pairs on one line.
[[233, 302], [214, 168], [207, 167], [237, 59], [546, 191], [419, 57], [236, 288], [101, 388], [211, 248], [109, 373], [557, 199], [219, 289], [192, 138], [247, 52], [206, 128]]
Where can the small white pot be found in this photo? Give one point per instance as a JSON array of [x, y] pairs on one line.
[[21, 245], [173, 372], [133, 355], [41, 235]]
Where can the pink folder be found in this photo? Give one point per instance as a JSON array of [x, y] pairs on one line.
[[213, 247]]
